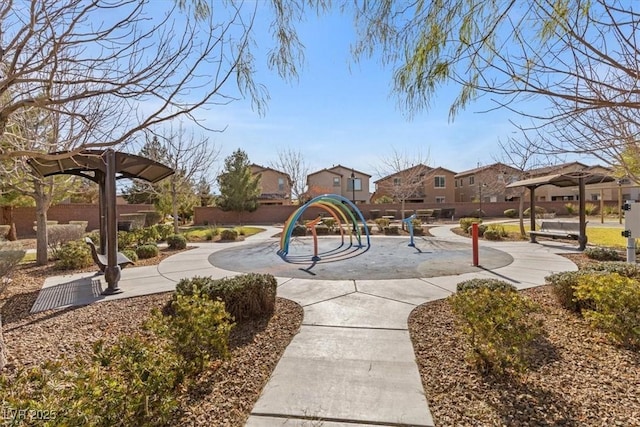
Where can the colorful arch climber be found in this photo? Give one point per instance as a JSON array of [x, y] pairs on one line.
[[340, 208]]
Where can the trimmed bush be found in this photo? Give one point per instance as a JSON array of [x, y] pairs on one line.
[[616, 306], [498, 326], [10, 256], [491, 234], [163, 230], [330, 223], [147, 251], [58, 235], [131, 254], [74, 255], [147, 235], [211, 233], [623, 268], [465, 223], [602, 254], [491, 284], [177, 241], [322, 230], [539, 211], [299, 230], [510, 213], [198, 330], [382, 223], [392, 230], [228, 235], [248, 296], [563, 286], [126, 239]]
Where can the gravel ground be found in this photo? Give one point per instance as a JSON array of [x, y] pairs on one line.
[[577, 378], [223, 398]]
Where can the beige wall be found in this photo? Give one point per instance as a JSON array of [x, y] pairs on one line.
[[490, 182], [269, 184], [323, 181], [427, 191]]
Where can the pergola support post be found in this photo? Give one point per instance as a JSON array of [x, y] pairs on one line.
[[112, 271], [532, 215], [582, 239]]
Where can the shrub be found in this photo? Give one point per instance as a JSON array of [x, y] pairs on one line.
[[602, 254], [481, 229], [465, 223], [198, 330], [211, 233], [563, 286], [163, 230], [126, 239], [491, 234], [391, 230], [73, 255], [131, 254], [330, 223], [177, 241], [616, 305], [147, 251], [147, 235], [299, 230], [382, 223], [571, 208], [498, 326], [248, 296], [228, 234], [539, 211], [511, 213], [625, 269], [95, 238], [81, 223], [590, 209], [10, 256], [322, 230], [491, 284], [497, 230], [58, 235]]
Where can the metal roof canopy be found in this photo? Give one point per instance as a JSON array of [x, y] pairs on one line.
[[572, 179], [104, 167]]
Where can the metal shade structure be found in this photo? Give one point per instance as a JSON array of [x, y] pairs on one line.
[[572, 179], [104, 167]]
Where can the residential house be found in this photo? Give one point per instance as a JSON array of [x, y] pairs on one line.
[[418, 184], [341, 180], [486, 183], [275, 186]]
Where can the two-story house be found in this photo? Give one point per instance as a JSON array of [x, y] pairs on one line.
[[275, 186], [418, 184], [486, 183], [341, 180]]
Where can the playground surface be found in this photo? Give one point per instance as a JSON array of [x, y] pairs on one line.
[[387, 258], [352, 362]]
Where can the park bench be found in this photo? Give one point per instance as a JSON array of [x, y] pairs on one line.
[[102, 260], [426, 215], [558, 230]]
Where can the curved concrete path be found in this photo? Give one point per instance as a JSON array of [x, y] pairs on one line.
[[352, 362]]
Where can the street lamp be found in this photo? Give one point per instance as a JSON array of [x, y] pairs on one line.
[[353, 187]]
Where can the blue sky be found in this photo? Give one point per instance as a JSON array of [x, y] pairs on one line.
[[342, 112]]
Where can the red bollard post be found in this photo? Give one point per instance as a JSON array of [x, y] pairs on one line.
[[474, 240]]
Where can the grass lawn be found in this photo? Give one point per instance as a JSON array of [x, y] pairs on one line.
[[599, 236]]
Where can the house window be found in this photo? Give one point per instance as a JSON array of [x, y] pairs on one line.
[[595, 197], [336, 181], [355, 184], [439, 199], [396, 182], [472, 180], [455, 183], [439, 182], [280, 184]]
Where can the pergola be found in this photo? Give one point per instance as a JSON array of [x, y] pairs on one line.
[[572, 179], [104, 167]]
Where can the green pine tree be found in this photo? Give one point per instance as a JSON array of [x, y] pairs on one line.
[[239, 188]]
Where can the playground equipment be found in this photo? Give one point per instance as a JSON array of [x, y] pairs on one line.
[[340, 208], [409, 222]]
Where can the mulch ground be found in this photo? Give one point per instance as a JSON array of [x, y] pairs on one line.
[[225, 397], [578, 377]]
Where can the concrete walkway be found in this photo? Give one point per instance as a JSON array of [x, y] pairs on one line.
[[352, 363]]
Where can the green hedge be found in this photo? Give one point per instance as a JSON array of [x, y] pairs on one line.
[[247, 296]]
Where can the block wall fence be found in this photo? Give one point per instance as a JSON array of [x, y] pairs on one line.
[[279, 214], [25, 217]]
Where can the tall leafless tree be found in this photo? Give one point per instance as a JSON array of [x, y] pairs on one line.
[[291, 162], [119, 66], [406, 173]]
